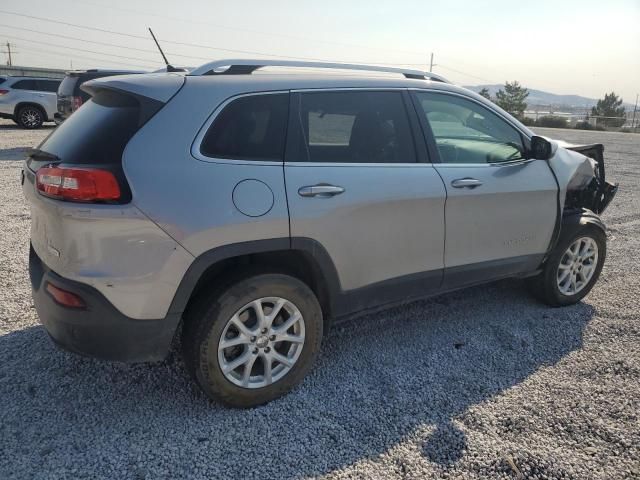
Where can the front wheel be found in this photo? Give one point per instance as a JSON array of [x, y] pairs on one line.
[[254, 341], [572, 269]]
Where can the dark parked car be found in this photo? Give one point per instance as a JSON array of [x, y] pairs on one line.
[[70, 97]]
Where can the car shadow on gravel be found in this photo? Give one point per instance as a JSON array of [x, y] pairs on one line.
[[15, 126], [13, 154], [415, 370]]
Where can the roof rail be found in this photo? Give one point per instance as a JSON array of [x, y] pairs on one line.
[[248, 66]]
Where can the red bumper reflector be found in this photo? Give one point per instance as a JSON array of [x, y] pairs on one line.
[[64, 298]]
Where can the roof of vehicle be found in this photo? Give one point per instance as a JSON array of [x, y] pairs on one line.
[[101, 70], [239, 77], [22, 77]]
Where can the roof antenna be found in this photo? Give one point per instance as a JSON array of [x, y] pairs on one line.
[[170, 68]]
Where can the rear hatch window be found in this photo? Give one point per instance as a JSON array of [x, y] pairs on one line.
[[97, 133], [66, 87]]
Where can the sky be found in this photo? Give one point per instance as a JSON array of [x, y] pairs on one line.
[[583, 47]]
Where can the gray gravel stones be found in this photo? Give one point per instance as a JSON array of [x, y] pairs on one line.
[[481, 383]]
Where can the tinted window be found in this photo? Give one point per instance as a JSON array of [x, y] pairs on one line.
[[98, 132], [47, 85], [66, 87], [252, 127], [467, 132], [354, 127], [25, 85], [2, 80]]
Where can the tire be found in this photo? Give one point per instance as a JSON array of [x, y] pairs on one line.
[[211, 319], [548, 287], [30, 117]]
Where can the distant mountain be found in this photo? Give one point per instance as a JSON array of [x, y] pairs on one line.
[[542, 98]]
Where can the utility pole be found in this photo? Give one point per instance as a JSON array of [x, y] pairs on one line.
[[10, 63], [431, 63], [635, 109]]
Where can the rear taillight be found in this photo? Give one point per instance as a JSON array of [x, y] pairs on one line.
[[76, 103], [78, 184], [3, 92]]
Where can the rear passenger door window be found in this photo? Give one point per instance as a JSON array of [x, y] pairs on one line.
[[352, 127], [252, 127]]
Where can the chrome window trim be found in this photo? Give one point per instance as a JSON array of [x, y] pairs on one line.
[[511, 163], [197, 142], [355, 164], [349, 89]]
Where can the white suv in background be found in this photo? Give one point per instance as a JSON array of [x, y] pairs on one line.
[[28, 101]]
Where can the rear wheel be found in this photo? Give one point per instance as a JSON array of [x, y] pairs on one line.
[[30, 117], [572, 269], [254, 341]]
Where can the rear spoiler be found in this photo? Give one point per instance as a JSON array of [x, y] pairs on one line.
[[151, 91], [605, 191]]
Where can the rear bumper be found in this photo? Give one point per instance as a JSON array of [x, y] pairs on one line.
[[99, 330]]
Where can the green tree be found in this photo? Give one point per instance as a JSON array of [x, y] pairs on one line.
[[485, 93], [513, 99], [609, 106]]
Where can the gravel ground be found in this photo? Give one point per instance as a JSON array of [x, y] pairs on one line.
[[482, 383]]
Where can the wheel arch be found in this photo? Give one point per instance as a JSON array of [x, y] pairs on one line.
[[570, 222], [574, 220], [302, 258], [32, 104]]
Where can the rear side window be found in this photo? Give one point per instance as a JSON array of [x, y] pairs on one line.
[[66, 87], [98, 132], [2, 80], [47, 85], [353, 127], [249, 128], [25, 85]]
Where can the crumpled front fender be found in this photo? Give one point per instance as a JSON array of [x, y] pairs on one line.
[[580, 172]]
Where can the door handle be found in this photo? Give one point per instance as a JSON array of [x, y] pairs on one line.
[[466, 183], [320, 190]]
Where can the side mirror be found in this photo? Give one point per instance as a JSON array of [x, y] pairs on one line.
[[540, 148]]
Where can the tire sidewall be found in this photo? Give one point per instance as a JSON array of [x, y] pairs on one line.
[[28, 127], [551, 269], [212, 323]]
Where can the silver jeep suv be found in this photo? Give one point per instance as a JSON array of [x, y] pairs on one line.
[[250, 208]]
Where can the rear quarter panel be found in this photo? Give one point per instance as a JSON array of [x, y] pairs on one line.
[[114, 248], [191, 199]]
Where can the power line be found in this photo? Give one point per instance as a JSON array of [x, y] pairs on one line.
[[74, 55], [247, 30], [81, 49], [196, 45], [106, 44], [73, 25], [465, 73]]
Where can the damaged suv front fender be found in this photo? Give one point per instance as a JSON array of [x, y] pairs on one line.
[[580, 172]]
